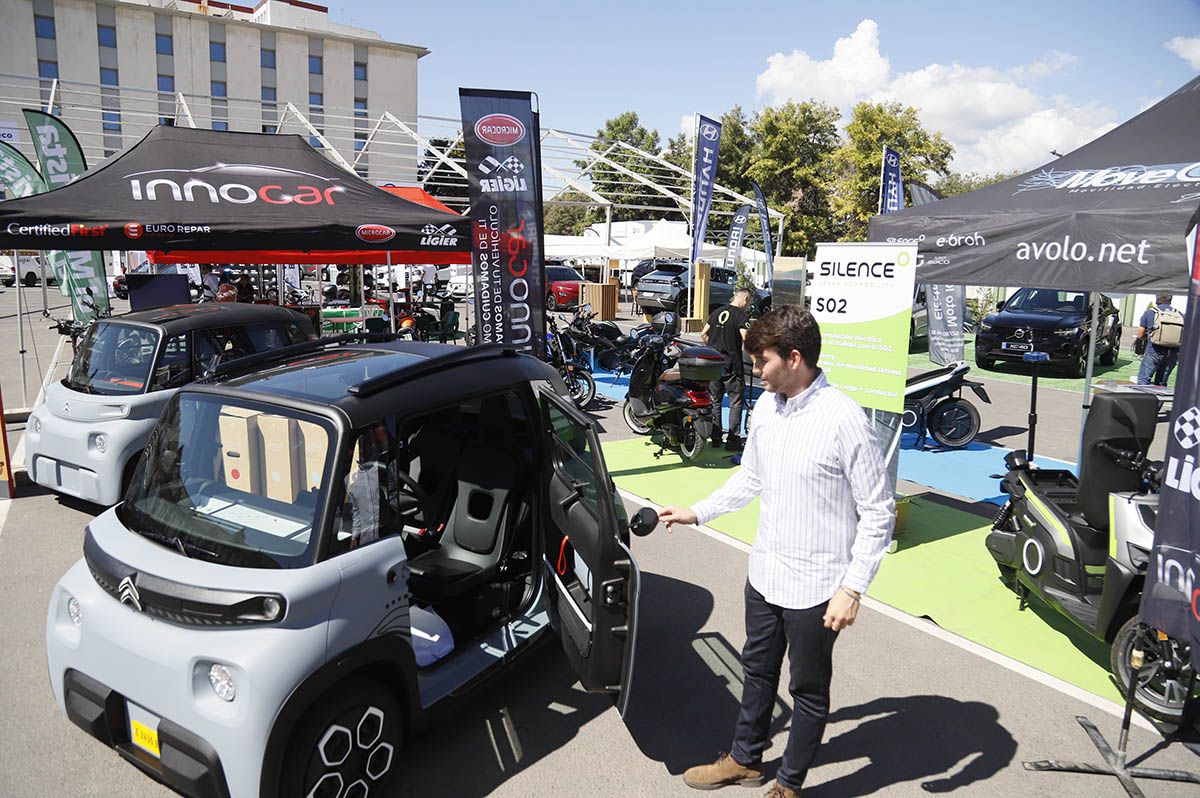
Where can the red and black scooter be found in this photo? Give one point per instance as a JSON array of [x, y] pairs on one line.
[[668, 393]]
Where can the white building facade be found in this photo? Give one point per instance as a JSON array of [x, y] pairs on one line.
[[113, 68]]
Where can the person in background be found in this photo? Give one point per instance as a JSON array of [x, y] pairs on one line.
[[1158, 339], [428, 282], [245, 291], [210, 282], [726, 332], [825, 521]]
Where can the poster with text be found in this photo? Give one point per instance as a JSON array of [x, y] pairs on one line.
[[862, 298]]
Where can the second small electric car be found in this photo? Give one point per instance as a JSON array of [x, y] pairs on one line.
[[321, 547]]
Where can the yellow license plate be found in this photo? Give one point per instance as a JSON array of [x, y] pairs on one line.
[[144, 737]]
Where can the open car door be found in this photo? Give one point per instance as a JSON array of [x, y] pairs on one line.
[[590, 574]]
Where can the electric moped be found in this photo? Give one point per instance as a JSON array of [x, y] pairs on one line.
[[933, 404], [1083, 545]]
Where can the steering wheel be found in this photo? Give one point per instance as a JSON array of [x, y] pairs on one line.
[[412, 504], [128, 352]]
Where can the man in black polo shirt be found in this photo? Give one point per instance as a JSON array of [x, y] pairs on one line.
[[725, 332]]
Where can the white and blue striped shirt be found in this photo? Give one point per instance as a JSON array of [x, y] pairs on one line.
[[827, 509]]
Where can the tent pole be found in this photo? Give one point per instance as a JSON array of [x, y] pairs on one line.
[[21, 330], [1091, 366], [391, 294]]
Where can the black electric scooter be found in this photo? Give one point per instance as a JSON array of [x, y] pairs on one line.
[[1083, 545], [933, 404]]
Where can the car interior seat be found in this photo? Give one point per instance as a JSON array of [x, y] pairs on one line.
[[1098, 474], [485, 508]]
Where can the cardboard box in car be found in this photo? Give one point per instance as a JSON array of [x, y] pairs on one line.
[[281, 469], [311, 455], [240, 449]]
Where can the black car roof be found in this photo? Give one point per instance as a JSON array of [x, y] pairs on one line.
[[180, 318], [369, 380]]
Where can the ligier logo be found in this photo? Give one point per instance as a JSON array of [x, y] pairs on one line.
[[375, 233], [1187, 428], [501, 130], [439, 236], [505, 175], [1113, 178], [214, 184]]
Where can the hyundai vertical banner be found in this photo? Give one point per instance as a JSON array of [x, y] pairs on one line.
[[764, 221], [708, 143], [1171, 601], [891, 188], [862, 298], [737, 233], [499, 134], [62, 162]]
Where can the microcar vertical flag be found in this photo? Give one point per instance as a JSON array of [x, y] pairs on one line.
[[499, 134], [708, 144], [1171, 599], [20, 178], [62, 161], [764, 221], [737, 232], [891, 188]]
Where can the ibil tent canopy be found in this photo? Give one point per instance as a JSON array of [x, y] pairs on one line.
[[189, 189], [1110, 216]]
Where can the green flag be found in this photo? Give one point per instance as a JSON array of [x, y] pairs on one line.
[[20, 178], [62, 161]]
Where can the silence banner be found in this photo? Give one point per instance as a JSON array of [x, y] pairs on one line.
[[62, 161], [1171, 599], [500, 141]]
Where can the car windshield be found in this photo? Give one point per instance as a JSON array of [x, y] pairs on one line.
[[113, 359], [231, 481], [557, 273], [667, 269], [1048, 300]]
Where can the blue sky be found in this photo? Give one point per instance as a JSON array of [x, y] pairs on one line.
[[1006, 82]]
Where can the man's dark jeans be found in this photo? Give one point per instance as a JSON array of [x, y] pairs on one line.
[[771, 630], [1157, 364], [735, 385]]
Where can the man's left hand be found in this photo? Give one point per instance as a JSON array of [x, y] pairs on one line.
[[841, 611]]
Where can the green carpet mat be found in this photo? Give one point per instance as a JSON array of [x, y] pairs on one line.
[[940, 570]]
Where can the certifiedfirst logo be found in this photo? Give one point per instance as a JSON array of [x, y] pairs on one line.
[[500, 130], [72, 230]]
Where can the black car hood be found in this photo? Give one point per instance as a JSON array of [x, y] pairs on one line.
[[1039, 320]]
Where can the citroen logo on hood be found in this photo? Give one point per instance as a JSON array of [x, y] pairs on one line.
[[66, 408], [127, 592]]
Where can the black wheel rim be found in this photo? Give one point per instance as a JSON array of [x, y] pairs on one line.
[[1158, 687]]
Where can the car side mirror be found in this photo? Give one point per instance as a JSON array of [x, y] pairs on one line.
[[643, 522], [1000, 305]]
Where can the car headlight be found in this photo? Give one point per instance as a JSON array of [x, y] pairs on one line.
[[221, 681], [1067, 333], [74, 611], [37, 425], [983, 325], [98, 441]]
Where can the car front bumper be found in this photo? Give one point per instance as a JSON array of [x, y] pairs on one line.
[[1059, 350]]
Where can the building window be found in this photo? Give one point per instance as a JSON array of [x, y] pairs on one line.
[[220, 125], [267, 61], [268, 94], [48, 69], [315, 98], [359, 143], [112, 122], [106, 35], [315, 142], [43, 27], [360, 108], [216, 51], [163, 45], [314, 64], [220, 88], [360, 70], [270, 128], [108, 77], [166, 83]]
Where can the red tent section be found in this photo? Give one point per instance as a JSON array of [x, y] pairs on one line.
[[336, 256]]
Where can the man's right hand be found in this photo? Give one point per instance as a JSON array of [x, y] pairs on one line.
[[677, 515]]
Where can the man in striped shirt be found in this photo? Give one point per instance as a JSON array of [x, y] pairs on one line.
[[825, 521]]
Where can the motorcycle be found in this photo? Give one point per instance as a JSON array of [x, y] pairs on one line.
[[561, 354], [611, 349], [668, 394], [1083, 546], [933, 405]]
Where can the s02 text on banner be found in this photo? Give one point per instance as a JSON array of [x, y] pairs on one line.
[[862, 298]]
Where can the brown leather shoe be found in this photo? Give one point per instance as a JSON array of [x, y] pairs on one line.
[[722, 773], [779, 791]]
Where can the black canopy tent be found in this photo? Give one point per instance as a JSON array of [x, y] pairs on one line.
[[183, 188], [1109, 216]]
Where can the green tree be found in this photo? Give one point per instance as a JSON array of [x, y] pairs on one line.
[[792, 145], [856, 163], [737, 151], [955, 183], [564, 217], [614, 184], [437, 178]]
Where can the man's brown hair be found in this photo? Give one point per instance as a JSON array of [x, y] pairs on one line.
[[785, 328]]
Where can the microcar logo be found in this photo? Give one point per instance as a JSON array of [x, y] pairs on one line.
[[134, 230], [501, 130], [709, 132], [127, 592], [375, 233]]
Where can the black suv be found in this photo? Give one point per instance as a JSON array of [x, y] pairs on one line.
[[662, 289], [1051, 321]]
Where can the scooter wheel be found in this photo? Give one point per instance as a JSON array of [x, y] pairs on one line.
[[954, 423], [632, 421], [1161, 693], [691, 443], [582, 387]]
